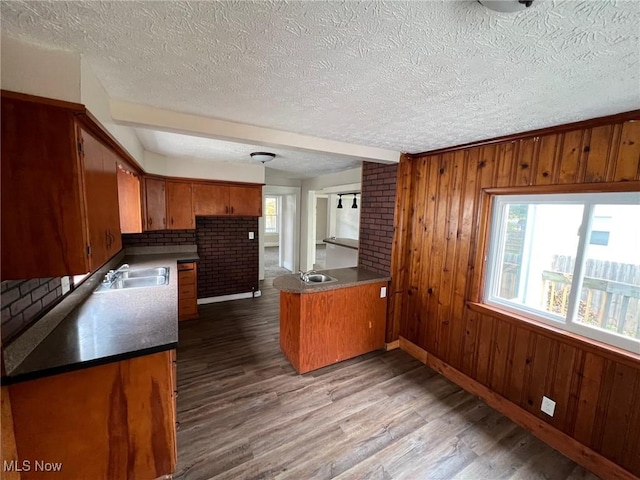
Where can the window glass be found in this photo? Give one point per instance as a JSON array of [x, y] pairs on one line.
[[572, 260], [271, 215]]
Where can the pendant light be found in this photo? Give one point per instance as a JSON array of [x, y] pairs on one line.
[[355, 201], [340, 201]]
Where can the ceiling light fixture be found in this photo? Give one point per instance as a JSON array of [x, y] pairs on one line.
[[263, 157], [340, 201], [355, 201], [506, 6]]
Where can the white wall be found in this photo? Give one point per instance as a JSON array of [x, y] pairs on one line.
[[201, 168], [345, 221], [36, 70], [322, 231], [96, 99]]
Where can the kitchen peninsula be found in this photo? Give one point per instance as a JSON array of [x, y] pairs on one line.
[[326, 322]]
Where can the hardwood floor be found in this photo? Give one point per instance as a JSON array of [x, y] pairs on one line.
[[244, 413]]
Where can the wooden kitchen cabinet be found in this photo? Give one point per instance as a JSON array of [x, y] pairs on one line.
[[101, 193], [155, 204], [187, 291], [227, 200], [179, 206], [129, 201], [322, 328], [245, 201], [109, 421], [59, 190], [210, 199]]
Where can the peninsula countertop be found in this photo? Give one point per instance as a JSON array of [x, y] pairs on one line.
[[110, 326], [343, 242], [346, 277]]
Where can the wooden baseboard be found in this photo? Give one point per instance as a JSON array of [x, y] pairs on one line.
[[553, 437], [392, 345]]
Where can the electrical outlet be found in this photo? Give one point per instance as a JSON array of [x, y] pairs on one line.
[[383, 292], [251, 235], [548, 406]]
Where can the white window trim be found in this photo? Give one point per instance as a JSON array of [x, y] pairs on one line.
[[497, 234]]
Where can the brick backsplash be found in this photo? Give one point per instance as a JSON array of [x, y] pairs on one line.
[[376, 216], [159, 238], [23, 301], [228, 259]]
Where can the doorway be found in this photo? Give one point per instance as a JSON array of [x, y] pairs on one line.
[[280, 220]]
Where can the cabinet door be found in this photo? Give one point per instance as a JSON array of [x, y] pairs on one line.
[[112, 212], [129, 202], [43, 226], [155, 204], [97, 193], [179, 206], [210, 199], [245, 201]]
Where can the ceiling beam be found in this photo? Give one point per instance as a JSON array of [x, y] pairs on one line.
[[143, 116]]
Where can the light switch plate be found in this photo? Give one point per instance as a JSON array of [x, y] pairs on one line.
[[548, 406], [383, 292], [251, 235]]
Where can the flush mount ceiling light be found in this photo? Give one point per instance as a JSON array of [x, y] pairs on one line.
[[507, 6], [263, 157]]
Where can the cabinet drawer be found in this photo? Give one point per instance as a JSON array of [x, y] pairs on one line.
[[186, 291], [186, 267], [186, 278]]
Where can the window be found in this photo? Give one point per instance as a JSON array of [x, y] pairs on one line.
[[570, 260], [271, 214]]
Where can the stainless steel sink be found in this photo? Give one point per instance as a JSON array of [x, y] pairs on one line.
[[318, 278], [145, 272], [125, 279]]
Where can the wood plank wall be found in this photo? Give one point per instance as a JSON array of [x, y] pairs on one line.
[[437, 269]]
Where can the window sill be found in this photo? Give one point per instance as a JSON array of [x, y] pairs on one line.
[[584, 343]]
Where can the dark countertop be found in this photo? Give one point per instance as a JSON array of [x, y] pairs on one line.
[[346, 277], [111, 326], [343, 242]]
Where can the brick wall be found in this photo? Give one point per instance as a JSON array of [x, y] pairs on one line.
[[228, 259], [376, 216], [159, 238], [23, 301]]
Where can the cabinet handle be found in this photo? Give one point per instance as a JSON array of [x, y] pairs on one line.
[[150, 221], [171, 220], [164, 221], [108, 239], [231, 210], [226, 209]]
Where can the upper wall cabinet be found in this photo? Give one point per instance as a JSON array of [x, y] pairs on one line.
[[129, 201], [227, 200], [59, 190], [155, 204], [179, 206], [101, 193]]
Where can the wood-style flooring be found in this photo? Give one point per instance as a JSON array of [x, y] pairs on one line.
[[244, 413]]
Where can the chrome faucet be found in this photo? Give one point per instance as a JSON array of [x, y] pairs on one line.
[[111, 275], [304, 276]]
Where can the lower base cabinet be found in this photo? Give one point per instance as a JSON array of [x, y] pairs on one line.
[[322, 328], [187, 291], [113, 421]]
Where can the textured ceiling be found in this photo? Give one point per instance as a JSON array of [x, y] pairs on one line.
[[409, 76], [288, 163]]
